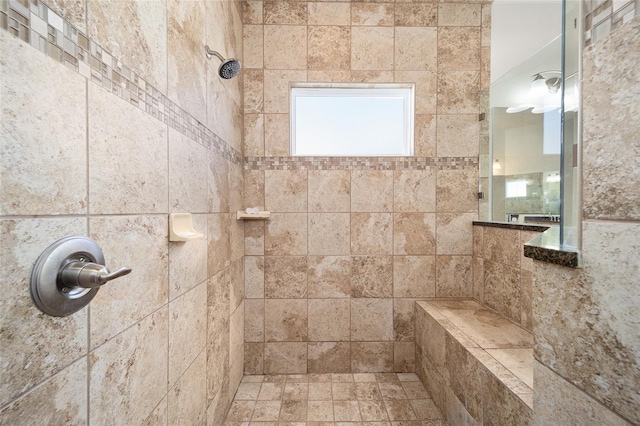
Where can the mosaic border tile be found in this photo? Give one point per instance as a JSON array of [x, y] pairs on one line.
[[360, 163], [33, 22], [601, 17]]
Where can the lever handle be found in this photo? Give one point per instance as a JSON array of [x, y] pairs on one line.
[[89, 275]]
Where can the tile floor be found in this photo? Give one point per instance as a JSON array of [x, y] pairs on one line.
[[388, 399]]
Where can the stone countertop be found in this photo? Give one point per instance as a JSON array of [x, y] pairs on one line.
[[545, 247]]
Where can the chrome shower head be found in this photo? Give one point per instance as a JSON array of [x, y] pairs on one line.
[[229, 68]]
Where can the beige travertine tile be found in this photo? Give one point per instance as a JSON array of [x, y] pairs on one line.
[[454, 276], [253, 358], [371, 233], [139, 242], [399, 410], [30, 83], [60, 339], [253, 135], [236, 343], [414, 191], [188, 262], [276, 88], [254, 190], [329, 234], [329, 190], [609, 91], [502, 245], [416, 15], [248, 391], [454, 233], [286, 234], [485, 67], [329, 320], [526, 299], [362, 198], [217, 333], [218, 182], [458, 92], [463, 15], [321, 13], [372, 14], [425, 409], [187, 66], [371, 319], [114, 168], [414, 233], [478, 241], [253, 46], [557, 401], [285, 276], [456, 191], [373, 411], [187, 170], [276, 136], [73, 11], [265, 411], [502, 289], [343, 391], [285, 358], [329, 48], [414, 276], [141, 43], [426, 88], [252, 11], [254, 238], [294, 410], [367, 387], [526, 263], [320, 411], [327, 357], [253, 90], [285, 47], [187, 399], [372, 48], [320, 391], [241, 411], [329, 276], [346, 411], [371, 356], [187, 330], [458, 135], [330, 76], [458, 48], [371, 76], [404, 356], [416, 48], [254, 277], [132, 366], [404, 319], [285, 12], [371, 276], [286, 190], [69, 402], [254, 327], [296, 391], [424, 135], [219, 248], [478, 279], [285, 320], [509, 408]]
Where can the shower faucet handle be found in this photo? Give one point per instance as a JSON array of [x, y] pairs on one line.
[[89, 275]]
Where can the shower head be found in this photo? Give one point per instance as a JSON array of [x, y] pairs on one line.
[[229, 68]]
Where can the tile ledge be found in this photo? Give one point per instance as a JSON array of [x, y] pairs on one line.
[[546, 248]]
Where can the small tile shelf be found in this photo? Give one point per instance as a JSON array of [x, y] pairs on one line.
[[253, 216]]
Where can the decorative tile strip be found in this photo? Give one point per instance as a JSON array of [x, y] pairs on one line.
[[601, 17], [360, 163], [34, 23]]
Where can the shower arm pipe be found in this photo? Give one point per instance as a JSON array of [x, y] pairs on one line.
[[210, 52]]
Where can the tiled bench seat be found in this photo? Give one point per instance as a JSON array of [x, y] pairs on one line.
[[476, 365]]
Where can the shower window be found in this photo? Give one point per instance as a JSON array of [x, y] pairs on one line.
[[352, 120]]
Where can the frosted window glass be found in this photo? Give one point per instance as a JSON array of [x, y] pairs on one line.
[[352, 121], [517, 188]]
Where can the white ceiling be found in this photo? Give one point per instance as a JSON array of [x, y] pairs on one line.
[[520, 28]]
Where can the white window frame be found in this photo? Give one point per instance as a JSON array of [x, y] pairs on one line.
[[405, 91]]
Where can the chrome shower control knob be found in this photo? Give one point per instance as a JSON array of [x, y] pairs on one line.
[[89, 274], [68, 274]]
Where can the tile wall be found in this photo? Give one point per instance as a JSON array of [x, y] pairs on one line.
[[331, 279], [586, 321], [502, 275], [111, 119]]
